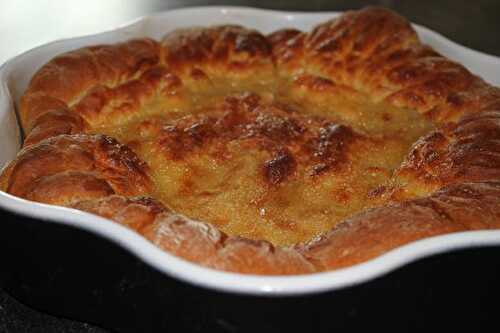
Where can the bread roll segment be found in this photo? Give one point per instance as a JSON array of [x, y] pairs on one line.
[[327, 108]]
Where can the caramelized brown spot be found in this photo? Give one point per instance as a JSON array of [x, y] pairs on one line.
[[279, 167], [329, 147], [198, 74], [237, 118], [386, 117], [245, 102], [377, 191], [253, 43], [276, 128]]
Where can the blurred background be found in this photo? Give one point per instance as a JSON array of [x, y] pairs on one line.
[[25, 24]]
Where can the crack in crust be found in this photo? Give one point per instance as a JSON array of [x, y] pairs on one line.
[[449, 181]]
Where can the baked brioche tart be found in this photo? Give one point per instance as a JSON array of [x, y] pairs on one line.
[[288, 153]]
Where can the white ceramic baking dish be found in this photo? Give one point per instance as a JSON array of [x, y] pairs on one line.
[[15, 74]]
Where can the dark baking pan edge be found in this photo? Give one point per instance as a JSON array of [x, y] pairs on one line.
[[73, 273]]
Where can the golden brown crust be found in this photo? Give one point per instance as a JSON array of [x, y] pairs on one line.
[[67, 76], [287, 136], [447, 183], [66, 188], [294, 161], [135, 213], [468, 151], [196, 241], [107, 106], [204, 244], [63, 80], [91, 165], [218, 52], [376, 51], [54, 123], [467, 206]]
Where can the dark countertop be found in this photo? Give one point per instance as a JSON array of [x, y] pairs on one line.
[[25, 24]]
